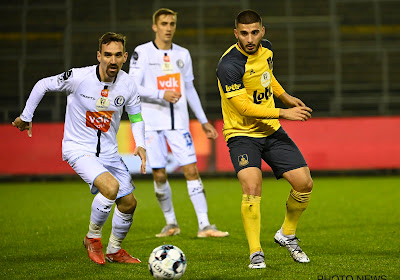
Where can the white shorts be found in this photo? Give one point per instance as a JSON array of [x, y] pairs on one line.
[[180, 142], [88, 167]]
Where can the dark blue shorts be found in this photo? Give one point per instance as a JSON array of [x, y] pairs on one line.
[[277, 150]]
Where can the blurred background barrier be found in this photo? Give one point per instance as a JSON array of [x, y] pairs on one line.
[[328, 144]]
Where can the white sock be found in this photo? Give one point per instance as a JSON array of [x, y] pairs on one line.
[[198, 198], [101, 208], [121, 223], [164, 197]]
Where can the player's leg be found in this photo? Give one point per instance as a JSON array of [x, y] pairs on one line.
[[182, 147], [245, 154], [93, 172], [298, 199], [123, 212], [287, 162], [157, 154], [197, 196]]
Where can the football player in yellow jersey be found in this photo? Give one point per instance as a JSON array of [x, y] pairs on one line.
[[252, 130]]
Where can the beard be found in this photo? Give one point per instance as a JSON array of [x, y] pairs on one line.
[[112, 70], [252, 51]]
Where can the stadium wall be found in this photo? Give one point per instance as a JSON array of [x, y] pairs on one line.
[[328, 144]]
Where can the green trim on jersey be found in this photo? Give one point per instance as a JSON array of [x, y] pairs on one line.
[[136, 118]]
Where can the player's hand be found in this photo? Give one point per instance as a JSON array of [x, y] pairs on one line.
[[296, 113], [209, 130], [141, 152], [291, 101], [21, 125], [172, 96]]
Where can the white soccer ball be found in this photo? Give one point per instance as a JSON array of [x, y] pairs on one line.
[[167, 262]]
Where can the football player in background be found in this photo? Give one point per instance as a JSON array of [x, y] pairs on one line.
[[165, 71], [96, 97], [253, 132]]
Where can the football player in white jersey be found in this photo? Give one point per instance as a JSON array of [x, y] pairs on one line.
[[163, 71], [96, 97]]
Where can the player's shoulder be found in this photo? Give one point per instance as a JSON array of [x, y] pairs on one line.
[[266, 44], [232, 59], [144, 46], [178, 48], [80, 73]]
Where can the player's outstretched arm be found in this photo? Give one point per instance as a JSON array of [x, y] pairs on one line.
[[210, 130], [22, 125], [141, 152]]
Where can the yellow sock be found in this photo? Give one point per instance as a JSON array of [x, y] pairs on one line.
[[297, 202], [251, 217]]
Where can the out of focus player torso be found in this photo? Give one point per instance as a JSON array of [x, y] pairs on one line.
[[163, 70], [254, 74]]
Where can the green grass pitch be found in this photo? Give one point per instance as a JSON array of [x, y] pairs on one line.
[[350, 231]]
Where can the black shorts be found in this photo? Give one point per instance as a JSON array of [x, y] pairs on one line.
[[277, 150]]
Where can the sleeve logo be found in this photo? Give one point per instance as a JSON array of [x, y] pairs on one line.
[[232, 87], [99, 120]]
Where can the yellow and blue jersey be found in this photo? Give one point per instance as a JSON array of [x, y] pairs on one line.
[[241, 73]]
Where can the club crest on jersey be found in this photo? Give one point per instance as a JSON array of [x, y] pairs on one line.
[[135, 56], [102, 104], [180, 63], [119, 101], [243, 160], [265, 79]]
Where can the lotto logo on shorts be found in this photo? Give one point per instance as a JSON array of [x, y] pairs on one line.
[[170, 82], [99, 120]]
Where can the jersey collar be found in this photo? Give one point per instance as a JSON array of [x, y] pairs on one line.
[[154, 44]]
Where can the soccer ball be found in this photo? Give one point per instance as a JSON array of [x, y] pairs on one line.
[[167, 262]]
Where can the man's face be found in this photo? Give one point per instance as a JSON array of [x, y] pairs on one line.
[[249, 36], [165, 28], [111, 58]]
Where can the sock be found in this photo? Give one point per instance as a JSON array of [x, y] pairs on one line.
[[101, 208], [121, 223], [164, 197], [296, 203], [251, 217], [198, 198]]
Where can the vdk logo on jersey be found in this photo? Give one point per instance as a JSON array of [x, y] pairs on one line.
[[265, 79], [99, 120], [169, 82]]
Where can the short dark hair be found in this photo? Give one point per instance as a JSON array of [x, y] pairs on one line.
[[163, 11], [247, 17], [109, 37]]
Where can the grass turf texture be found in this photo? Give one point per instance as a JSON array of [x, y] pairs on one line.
[[351, 228]]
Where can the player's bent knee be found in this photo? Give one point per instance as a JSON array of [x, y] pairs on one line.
[[127, 204], [159, 175]]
